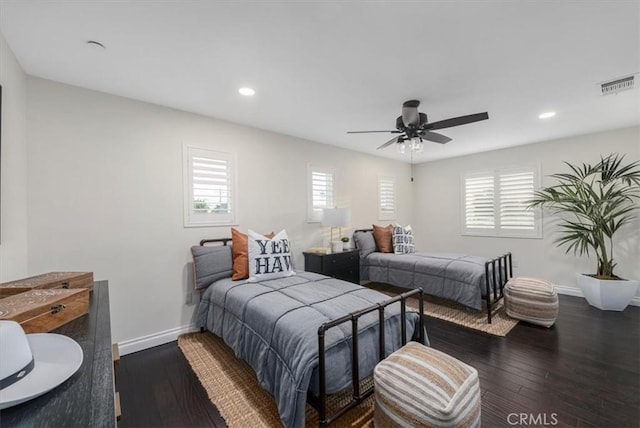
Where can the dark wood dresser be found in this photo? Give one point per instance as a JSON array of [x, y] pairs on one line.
[[87, 398], [344, 265]]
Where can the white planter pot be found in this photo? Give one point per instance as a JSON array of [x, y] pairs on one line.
[[608, 295]]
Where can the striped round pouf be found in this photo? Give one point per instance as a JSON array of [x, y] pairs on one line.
[[417, 386], [532, 300]]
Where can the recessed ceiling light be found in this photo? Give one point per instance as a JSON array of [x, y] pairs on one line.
[[96, 45], [247, 92], [547, 115]]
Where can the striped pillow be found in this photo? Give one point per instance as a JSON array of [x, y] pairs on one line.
[[419, 386]]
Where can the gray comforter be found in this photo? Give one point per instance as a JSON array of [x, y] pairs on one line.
[[452, 276], [273, 326]]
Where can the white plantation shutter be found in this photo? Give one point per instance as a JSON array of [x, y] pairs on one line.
[[210, 187], [321, 191], [479, 209], [495, 203], [516, 188], [386, 198]]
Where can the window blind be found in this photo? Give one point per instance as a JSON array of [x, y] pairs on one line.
[[321, 194], [495, 203], [211, 185], [386, 198], [516, 189], [210, 190], [479, 211]]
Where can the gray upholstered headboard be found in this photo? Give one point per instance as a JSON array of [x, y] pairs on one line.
[[211, 263], [365, 242]]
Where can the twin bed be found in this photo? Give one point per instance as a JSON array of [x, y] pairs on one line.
[[297, 332], [465, 279]]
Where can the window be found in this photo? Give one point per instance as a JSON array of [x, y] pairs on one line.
[[479, 202], [495, 203], [210, 187], [321, 192], [386, 198]]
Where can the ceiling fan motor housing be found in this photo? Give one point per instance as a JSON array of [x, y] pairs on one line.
[[412, 128], [411, 103]]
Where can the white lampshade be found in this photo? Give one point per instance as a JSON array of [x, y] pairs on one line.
[[336, 217]]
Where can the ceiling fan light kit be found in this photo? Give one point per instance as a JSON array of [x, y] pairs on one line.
[[402, 147], [414, 127], [416, 145]]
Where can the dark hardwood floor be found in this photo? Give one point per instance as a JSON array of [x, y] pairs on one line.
[[158, 389], [583, 372]]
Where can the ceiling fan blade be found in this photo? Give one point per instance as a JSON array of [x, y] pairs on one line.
[[435, 137], [368, 132], [457, 121], [388, 143]]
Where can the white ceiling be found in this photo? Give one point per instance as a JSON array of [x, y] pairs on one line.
[[323, 68]]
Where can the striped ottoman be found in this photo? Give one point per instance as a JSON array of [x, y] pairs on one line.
[[417, 386], [532, 300]]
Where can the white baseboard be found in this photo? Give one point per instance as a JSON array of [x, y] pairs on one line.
[[575, 291], [160, 338], [568, 291], [145, 342]]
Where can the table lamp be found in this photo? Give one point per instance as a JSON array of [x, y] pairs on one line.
[[336, 217]]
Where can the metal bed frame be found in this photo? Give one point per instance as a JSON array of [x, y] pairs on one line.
[[221, 240], [497, 282], [320, 403], [497, 272]]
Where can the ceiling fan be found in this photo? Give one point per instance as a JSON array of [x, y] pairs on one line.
[[414, 126]]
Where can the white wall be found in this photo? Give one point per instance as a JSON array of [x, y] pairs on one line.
[[13, 157], [438, 215], [105, 195]]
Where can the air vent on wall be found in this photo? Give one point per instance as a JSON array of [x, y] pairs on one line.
[[618, 85]]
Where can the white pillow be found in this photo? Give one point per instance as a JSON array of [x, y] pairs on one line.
[[402, 240], [269, 258]]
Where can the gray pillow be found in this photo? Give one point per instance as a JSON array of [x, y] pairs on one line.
[[211, 264], [365, 243]]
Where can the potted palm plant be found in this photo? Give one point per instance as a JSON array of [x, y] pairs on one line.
[[593, 202]]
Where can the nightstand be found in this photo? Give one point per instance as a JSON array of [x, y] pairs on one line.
[[344, 265]]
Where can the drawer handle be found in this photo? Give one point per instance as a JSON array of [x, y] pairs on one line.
[[65, 284], [57, 308]]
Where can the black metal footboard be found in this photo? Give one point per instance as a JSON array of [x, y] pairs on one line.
[[497, 272], [320, 403]]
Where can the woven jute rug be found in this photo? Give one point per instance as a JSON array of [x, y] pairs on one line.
[[443, 309], [233, 388]]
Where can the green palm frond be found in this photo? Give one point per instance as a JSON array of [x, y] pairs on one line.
[[594, 201]]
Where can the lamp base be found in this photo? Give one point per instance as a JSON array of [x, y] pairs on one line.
[[336, 246]]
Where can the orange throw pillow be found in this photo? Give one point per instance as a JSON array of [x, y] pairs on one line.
[[241, 254], [384, 238]]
